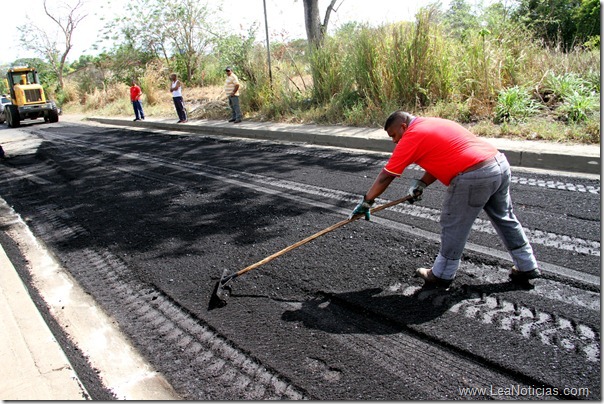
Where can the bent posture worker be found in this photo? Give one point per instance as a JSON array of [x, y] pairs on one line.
[[478, 177]]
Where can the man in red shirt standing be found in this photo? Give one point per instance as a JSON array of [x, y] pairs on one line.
[[478, 177], [135, 97]]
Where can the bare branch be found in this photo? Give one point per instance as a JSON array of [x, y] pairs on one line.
[[330, 8], [67, 25]]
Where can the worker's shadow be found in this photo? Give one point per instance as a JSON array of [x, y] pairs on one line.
[[368, 311]]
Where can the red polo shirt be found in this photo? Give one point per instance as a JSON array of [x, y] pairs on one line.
[[135, 93], [441, 147]]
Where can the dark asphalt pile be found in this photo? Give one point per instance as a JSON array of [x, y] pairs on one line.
[[149, 234]]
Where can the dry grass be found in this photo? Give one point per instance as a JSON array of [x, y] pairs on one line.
[[201, 103], [210, 103]]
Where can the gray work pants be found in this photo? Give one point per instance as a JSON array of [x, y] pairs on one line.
[[469, 193], [235, 108]]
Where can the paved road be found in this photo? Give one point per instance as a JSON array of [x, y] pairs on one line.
[[147, 222]]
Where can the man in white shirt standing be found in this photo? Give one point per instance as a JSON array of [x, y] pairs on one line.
[[231, 87], [179, 103]]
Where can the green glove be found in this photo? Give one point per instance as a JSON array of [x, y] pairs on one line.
[[416, 190], [363, 208]]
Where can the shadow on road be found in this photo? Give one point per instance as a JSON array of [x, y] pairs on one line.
[[372, 312]]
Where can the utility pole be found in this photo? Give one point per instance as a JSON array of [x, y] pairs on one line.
[[268, 46]]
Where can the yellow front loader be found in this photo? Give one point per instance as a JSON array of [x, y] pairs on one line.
[[27, 97]]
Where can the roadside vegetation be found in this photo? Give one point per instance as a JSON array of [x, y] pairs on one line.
[[499, 69]]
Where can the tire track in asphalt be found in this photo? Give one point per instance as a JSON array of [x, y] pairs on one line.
[[551, 329], [529, 322], [386, 348], [565, 339], [201, 352]]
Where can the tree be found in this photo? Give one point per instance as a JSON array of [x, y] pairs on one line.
[[236, 51], [41, 41], [177, 31], [459, 18], [194, 35], [141, 27], [564, 23], [315, 30], [587, 19]]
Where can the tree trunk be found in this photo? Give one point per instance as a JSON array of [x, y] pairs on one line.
[[315, 31], [312, 22]]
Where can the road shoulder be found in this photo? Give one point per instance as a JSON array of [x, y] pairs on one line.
[[34, 365], [38, 368]]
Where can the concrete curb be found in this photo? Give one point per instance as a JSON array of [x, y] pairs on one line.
[[34, 366], [530, 154]]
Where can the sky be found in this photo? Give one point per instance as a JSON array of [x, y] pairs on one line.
[[285, 19]]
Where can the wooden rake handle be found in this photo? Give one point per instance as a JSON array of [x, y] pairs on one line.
[[318, 234]]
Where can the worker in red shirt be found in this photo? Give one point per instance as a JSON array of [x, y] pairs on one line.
[[135, 97], [478, 178]]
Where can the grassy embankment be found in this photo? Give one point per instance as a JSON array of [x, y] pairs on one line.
[[494, 80]]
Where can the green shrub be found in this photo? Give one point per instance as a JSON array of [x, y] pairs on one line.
[[577, 107], [563, 85], [514, 105], [593, 80]]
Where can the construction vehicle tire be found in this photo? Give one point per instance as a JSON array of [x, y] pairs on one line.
[[53, 116], [12, 116]]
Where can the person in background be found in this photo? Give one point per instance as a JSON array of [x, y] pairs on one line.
[[135, 97], [231, 87], [179, 103], [478, 178]]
